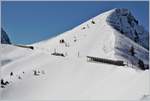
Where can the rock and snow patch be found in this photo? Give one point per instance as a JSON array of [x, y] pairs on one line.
[[123, 21], [4, 37]]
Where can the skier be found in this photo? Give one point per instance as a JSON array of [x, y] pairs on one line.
[[19, 77], [3, 83], [93, 22], [62, 41], [75, 39], [83, 28], [131, 50], [11, 74], [78, 54], [141, 64], [36, 73]]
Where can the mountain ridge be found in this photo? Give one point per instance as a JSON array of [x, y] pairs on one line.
[[4, 37], [60, 69]]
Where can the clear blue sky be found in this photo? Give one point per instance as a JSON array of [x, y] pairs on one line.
[[28, 22]]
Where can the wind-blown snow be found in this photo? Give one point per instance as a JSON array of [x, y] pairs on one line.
[[73, 77]]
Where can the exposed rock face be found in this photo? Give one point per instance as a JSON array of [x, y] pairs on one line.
[[123, 21], [4, 37]]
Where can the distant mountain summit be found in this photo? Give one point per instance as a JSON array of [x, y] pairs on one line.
[[123, 21], [4, 37], [115, 34]]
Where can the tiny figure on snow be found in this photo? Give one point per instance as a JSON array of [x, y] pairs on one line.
[[62, 41], [19, 77], [11, 74], [3, 83], [43, 72], [88, 26], [36, 73], [93, 22], [75, 39], [78, 54], [83, 27], [141, 64], [131, 50]]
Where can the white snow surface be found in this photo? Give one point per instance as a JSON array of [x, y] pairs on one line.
[[73, 77]]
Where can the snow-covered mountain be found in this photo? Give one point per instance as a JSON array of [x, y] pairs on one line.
[[4, 37], [59, 69], [123, 21]]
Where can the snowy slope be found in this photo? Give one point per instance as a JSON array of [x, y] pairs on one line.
[[73, 77]]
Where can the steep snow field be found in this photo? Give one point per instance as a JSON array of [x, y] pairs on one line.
[[73, 77]]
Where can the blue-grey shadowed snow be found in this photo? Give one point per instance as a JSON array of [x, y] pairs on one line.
[[29, 22], [3, 62]]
